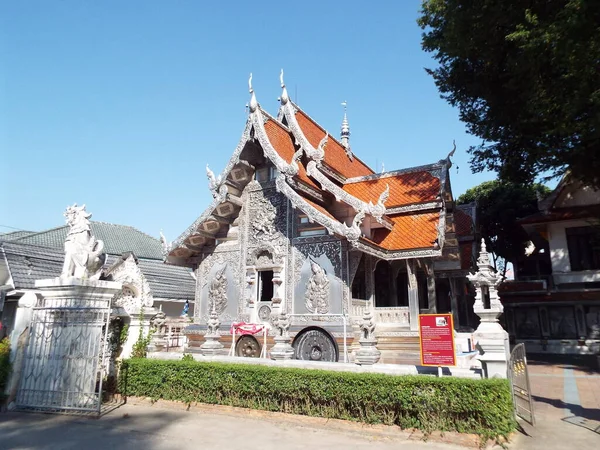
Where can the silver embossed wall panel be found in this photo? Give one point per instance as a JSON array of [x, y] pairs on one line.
[[217, 263], [312, 256]]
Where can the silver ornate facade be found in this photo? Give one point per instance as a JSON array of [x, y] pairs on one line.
[[286, 235]]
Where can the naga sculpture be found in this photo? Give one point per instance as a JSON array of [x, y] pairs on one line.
[[354, 232], [84, 256], [317, 291]]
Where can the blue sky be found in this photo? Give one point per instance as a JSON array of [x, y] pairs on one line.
[[120, 104]]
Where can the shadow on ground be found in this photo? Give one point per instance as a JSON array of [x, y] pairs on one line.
[[37, 431], [585, 363], [576, 410]]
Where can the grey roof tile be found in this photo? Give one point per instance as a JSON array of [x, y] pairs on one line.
[[117, 239], [28, 263], [168, 282], [12, 235]]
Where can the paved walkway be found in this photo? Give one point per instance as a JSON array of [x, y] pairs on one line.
[[567, 407], [144, 427]]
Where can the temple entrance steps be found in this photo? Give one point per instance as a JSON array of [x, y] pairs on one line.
[[404, 349]]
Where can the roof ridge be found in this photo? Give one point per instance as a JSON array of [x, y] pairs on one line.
[[27, 244], [329, 134], [273, 119], [391, 173], [37, 233]]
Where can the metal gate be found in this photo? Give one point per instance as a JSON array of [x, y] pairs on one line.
[[519, 383], [64, 362]]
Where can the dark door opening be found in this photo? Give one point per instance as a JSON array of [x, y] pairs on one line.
[[265, 287]]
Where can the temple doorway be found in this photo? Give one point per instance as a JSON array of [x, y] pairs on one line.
[[265, 286]]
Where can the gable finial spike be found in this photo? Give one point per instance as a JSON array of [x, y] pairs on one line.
[[345, 132], [253, 103], [284, 95]]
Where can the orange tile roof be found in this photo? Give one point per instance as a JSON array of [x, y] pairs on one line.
[[335, 153], [318, 207], [463, 224], [281, 140], [405, 189], [410, 231]]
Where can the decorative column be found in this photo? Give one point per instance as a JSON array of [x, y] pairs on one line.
[[431, 296], [454, 303], [251, 275], [282, 349], [212, 346], [276, 306], [413, 294], [490, 338], [368, 354]]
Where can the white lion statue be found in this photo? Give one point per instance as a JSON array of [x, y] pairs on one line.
[[84, 256]]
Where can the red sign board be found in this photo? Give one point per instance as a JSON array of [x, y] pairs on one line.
[[436, 334]]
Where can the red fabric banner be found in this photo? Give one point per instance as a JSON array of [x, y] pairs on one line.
[[244, 328]]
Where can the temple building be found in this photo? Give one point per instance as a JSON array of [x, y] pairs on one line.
[[299, 224], [553, 305]]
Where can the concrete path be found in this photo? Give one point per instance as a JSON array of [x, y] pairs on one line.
[[145, 427], [567, 407]]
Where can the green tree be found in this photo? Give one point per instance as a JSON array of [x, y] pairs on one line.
[[499, 206], [525, 77]]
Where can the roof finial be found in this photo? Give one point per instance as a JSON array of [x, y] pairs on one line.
[[284, 95], [253, 103], [345, 134]]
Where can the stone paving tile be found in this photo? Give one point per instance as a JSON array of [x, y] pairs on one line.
[[589, 394]]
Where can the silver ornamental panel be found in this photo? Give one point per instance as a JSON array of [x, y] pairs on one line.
[[63, 363], [519, 381]]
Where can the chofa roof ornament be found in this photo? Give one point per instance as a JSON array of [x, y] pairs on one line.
[[284, 95], [253, 103]]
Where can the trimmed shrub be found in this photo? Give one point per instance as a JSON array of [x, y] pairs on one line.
[[4, 364], [427, 403]]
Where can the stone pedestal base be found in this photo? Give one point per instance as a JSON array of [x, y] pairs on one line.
[[158, 343], [368, 353], [211, 345], [494, 346], [282, 349], [195, 339]]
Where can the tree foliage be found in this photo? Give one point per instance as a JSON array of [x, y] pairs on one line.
[[499, 206], [525, 76]]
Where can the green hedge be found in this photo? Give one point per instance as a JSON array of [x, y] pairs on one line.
[[427, 403], [4, 364]]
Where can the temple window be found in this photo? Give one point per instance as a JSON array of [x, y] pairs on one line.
[[315, 232], [309, 229], [584, 248], [359, 285]]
